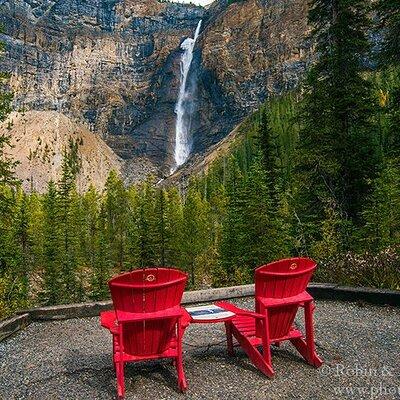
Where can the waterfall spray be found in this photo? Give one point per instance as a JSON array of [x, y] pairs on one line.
[[183, 108]]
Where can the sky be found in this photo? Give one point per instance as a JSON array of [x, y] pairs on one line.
[[198, 2]]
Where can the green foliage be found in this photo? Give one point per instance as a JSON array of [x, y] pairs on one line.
[[313, 172], [196, 231], [51, 245], [382, 211], [338, 150], [388, 12]]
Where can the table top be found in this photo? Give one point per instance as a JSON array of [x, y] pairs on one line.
[[209, 313]]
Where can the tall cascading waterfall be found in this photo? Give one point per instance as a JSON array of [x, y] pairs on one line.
[[184, 104]]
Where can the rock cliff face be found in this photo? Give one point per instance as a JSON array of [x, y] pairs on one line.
[[249, 50], [112, 66]]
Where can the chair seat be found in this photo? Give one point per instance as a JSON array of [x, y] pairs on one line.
[[246, 326], [170, 352]]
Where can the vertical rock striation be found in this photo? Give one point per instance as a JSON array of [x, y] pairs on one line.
[[112, 66]]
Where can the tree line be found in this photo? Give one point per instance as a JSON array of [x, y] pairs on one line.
[[315, 172]]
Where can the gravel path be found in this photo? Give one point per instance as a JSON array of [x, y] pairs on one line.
[[71, 359]]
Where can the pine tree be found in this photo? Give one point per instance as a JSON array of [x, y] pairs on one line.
[[70, 215], [232, 226], [115, 203], [90, 203], [174, 228], [95, 245], [132, 227], [52, 289], [263, 233], [35, 229], [10, 290], [196, 231], [147, 225], [337, 155], [161, 225], [102, 264], [388, 12], [270, 156], [382, 212], [23, 244]]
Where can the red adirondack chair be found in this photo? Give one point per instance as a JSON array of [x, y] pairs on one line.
[[148, 321], [280, 289]]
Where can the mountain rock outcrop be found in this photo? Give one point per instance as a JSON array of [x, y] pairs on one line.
[[249, 50], [112, 66]]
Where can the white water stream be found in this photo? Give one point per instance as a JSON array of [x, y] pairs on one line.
[[183, 107]]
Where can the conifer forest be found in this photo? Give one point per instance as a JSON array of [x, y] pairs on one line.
[[315, 171]]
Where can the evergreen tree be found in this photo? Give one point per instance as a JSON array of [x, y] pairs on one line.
[[388, 12], [232, 226], [22, 242], [270, 156], [161, 225], [90, 205], [174, 227], [196, 231], [70, 215], [35, 229], [11, 291], [101, 263], [147, 225], [132, 227], [116, 209], [52, 280], [337, 155], [382, 212]]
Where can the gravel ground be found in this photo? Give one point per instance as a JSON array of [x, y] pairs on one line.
[[71, 359]]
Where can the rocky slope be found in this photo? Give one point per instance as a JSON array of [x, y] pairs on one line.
[[39, 139], [113, 66]]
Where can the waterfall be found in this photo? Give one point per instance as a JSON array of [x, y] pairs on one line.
[[183, 107]]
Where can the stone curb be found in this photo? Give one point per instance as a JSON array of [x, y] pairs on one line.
[[368, 295], [12, 325], [322, 291], [81, 310]]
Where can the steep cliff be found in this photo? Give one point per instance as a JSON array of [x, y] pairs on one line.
[[99, 62], [250, 50], [112, 66]]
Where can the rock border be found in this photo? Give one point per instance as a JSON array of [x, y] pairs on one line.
[[13, 325], [323, 291]]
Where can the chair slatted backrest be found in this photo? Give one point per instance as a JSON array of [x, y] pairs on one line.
[[282, 279], [144, 291]]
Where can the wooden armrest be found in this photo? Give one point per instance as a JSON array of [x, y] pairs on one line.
[[299, 299], [238, 311], [109, 321]]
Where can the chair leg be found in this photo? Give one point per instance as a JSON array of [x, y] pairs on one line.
[[260, 361], [120, 379], [182, 384], [265, 339], [229, 337], [307, 347], [313, 358]]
